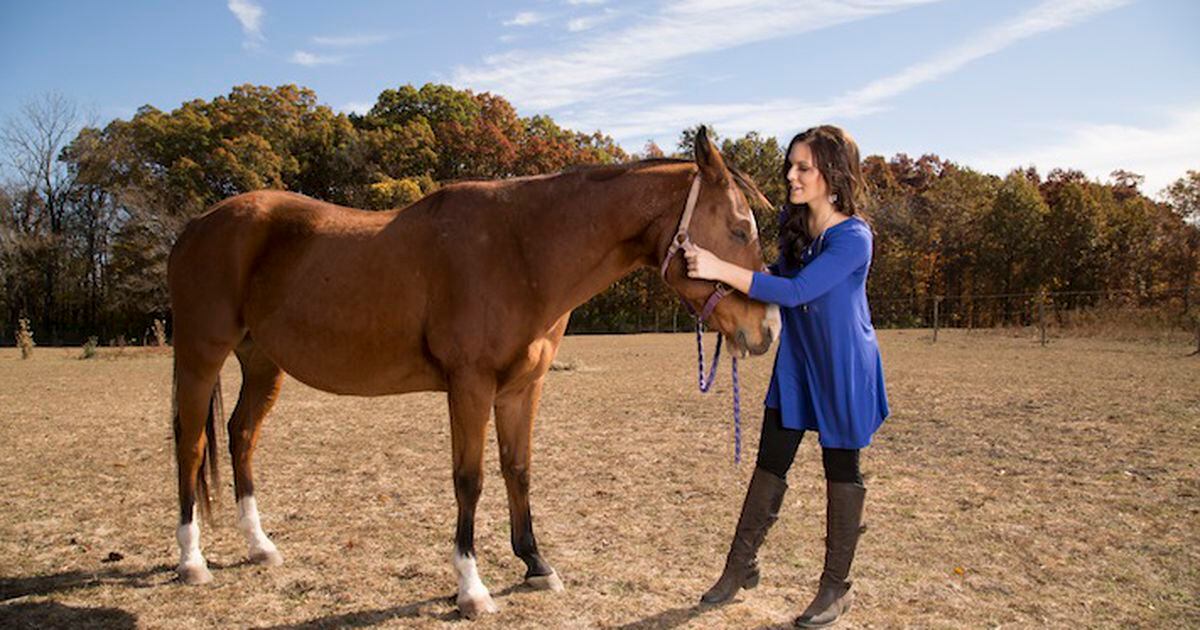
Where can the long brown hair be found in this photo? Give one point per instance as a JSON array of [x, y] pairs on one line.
[[837, 159]]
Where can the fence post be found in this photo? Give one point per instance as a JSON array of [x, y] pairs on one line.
[[1042, 317], [937, 299]]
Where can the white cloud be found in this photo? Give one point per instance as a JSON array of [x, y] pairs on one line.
[[579, 24], [1047, 16], [1162, 154], [781, 117], [525, 18], [309, 59], [593, 68], [249, 15], [350, 41], [356, 107], [585, 2], [587, 22]]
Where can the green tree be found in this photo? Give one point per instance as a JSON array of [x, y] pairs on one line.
[[762, 160], [1011, 251], [954, 206], [1070, 234], [1183, 196]]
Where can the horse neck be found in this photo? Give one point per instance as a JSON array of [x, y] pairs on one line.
[[607, 230]]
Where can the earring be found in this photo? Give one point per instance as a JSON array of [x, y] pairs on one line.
[[833, 198]]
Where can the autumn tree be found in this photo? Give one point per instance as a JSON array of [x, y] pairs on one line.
[[89, 215]]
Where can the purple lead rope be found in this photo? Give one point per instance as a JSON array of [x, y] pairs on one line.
[[712, 377], [712, 369], [737, 415]]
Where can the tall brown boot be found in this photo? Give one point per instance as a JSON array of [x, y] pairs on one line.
[[843, 517], [759, 511]]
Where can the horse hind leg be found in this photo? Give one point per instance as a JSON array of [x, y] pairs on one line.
[[197, 409], [515, 414], [261, 380]]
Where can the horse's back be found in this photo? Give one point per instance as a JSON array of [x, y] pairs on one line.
[[302, 277], [362, 302]]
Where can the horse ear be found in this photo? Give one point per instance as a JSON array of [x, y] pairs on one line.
[[712, 165]]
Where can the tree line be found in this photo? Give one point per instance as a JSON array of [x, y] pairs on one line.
[[88, 213]]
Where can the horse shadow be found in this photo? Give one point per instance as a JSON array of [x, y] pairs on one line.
[[366, 618], [414, 610], [672, 618], [37, 585], [57, 615]]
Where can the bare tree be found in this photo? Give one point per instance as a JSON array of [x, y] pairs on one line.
[[32, 143]]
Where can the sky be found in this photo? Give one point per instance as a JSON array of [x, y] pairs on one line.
[[1094, 85]]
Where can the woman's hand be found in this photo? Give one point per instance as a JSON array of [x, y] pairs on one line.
[[702, 264], [705, 265]]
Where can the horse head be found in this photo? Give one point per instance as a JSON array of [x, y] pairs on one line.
[[722, 222]]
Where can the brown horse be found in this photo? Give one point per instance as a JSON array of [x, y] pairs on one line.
[[466, 291]]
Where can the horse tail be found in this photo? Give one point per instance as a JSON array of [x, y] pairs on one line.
[[216, 412], [209, 475]]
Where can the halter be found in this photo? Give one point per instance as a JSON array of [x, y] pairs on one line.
[[678, 242], [682, 239]]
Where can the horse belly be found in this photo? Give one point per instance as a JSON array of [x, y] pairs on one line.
[[351, 368], [346, 337]]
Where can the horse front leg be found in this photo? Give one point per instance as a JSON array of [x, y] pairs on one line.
[[471, 397], [515, 413]]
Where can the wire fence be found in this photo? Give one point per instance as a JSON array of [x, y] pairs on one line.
[[1095, 311], [1159, 309]]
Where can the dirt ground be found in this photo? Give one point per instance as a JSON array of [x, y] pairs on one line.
[[1013, 486]]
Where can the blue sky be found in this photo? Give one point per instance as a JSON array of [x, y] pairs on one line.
[[1088, 84]]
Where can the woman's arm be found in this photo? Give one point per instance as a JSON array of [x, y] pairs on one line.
[[843, 253]]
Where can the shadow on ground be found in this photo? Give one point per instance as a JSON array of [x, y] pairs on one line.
[[56, 615], [366, 618], [32, 586]]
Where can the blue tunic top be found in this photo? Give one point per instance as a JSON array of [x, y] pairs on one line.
[[828, 374]]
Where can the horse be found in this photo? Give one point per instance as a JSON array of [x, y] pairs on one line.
[[466, 291]]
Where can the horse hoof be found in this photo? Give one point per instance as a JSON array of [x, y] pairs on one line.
[[549, 582], [193, 574], [472, 608], [266, 557]]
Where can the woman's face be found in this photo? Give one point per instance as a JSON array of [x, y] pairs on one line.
[[805, 182]]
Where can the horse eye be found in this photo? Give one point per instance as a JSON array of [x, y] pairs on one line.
[[741, 235]]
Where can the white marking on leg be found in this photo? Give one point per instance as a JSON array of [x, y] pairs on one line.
[[192, 567], [189, 544], [473, 596], [262, 550]]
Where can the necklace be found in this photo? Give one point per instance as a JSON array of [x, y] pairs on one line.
[[825, 224], [820, 235]]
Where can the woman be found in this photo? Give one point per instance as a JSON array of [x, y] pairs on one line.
[[828, 375]]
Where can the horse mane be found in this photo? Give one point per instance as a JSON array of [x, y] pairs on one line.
[[603, 172]]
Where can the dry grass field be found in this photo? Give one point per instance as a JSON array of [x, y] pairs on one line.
[[1013, 486]]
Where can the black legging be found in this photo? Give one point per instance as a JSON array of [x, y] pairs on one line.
[[777, 449]]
